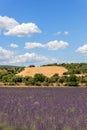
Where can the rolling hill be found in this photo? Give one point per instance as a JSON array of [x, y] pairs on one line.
[[46, 70]]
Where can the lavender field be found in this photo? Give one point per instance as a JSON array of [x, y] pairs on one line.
[[43, 108]]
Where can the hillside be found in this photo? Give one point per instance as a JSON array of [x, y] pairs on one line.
[[46, 70], [73, 74]]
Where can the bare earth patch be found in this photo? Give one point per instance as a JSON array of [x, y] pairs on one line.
[[46, 70]]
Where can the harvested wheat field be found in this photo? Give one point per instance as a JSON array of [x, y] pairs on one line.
[[46, 70]]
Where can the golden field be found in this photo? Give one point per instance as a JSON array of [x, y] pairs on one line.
[[46, 70]]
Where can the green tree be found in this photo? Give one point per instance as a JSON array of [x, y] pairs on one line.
[[61, 80], [72, 80], [54, 78], [31, 65], [30, 81], [39, 77], [17, 79]]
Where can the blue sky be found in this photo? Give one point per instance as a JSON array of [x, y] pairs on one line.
[[41, 32]]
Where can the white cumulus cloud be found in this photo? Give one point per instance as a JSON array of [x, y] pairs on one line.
[[13, 28], [52, 45], [8, 57], [30, 58], [13, 45], [24, 29], [5, 54], [30, 45], [82, 49], [56, 45], [7, 23]]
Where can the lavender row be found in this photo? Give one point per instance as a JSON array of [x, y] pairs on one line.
[[44, 108]]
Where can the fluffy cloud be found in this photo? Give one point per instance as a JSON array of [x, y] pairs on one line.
[[13, 28], [56, 45], [5, 54], [82, 49], [24, 29], [10, 58], [30, 58], [30, 45], [13, 45], [7, 23], [52, 45]]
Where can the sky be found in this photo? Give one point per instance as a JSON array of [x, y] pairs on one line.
[[42, 32]]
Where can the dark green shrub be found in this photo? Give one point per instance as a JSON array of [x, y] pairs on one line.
[[39, 77]]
